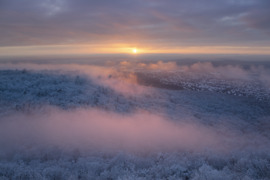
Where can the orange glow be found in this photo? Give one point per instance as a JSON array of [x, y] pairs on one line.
[[76, 49]]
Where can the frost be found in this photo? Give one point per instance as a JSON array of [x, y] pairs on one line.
[[134, 121]]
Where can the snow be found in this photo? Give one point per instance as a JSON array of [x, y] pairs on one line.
[[134, 121]]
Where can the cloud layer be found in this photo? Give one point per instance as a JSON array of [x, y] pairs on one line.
[[164, 24]]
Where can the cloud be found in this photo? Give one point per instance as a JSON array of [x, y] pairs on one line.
[[122, 76], [120, 81], [160, 65], [137, 132], [170, 24]]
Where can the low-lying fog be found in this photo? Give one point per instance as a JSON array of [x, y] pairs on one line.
[[134, 120]]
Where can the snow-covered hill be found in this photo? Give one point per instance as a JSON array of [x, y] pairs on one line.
[[134, 121]]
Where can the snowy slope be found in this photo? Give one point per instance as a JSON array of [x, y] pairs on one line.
[[183, 124]]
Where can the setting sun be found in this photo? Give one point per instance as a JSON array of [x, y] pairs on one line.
[[137, 89]]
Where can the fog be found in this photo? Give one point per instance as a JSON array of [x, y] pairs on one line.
[[130, 119], [135, 132]]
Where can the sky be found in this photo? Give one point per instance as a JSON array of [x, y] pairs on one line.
[[34, 27]]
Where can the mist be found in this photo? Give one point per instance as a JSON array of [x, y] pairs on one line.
[[136, 132], [201, 119]]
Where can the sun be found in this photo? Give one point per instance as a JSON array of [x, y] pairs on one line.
[[134, 51]]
